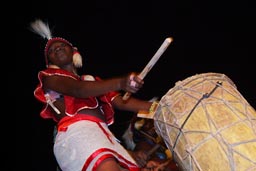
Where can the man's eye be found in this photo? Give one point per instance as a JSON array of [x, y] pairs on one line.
[[63, 45]]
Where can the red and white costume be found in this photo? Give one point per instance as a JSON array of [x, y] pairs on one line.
[[83, 141]]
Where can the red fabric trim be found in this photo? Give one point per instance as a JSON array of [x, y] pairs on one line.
[[126, 164], [105, 132], [89, 160], [100, 160], [66, 121]]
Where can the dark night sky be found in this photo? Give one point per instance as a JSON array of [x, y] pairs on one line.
[[117, 37]]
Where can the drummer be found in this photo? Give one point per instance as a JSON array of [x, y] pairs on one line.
[[83, 106]]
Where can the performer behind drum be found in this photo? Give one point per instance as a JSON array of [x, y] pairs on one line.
[[82, 107], [141, 136]]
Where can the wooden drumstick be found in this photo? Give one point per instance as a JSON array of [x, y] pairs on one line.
[[152, 62]]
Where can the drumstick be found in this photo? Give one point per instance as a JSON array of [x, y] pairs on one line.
[[152, 62]]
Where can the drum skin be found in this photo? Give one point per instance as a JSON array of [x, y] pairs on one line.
[[208, 125]]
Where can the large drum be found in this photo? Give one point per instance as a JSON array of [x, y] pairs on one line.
[[208, 125]]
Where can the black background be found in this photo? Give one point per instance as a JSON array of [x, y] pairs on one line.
[[117, 37]]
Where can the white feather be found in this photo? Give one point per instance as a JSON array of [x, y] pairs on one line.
[[41, 28]]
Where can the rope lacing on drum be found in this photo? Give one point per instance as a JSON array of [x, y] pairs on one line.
[[206, 95]]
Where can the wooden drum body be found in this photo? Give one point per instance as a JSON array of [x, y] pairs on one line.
[[208, 125]]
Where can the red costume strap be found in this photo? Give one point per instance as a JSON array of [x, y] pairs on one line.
[[67, 120]]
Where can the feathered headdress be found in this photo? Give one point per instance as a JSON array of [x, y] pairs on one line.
[[43, 29]]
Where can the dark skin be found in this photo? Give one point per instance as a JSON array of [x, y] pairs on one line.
[[61, 55]]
